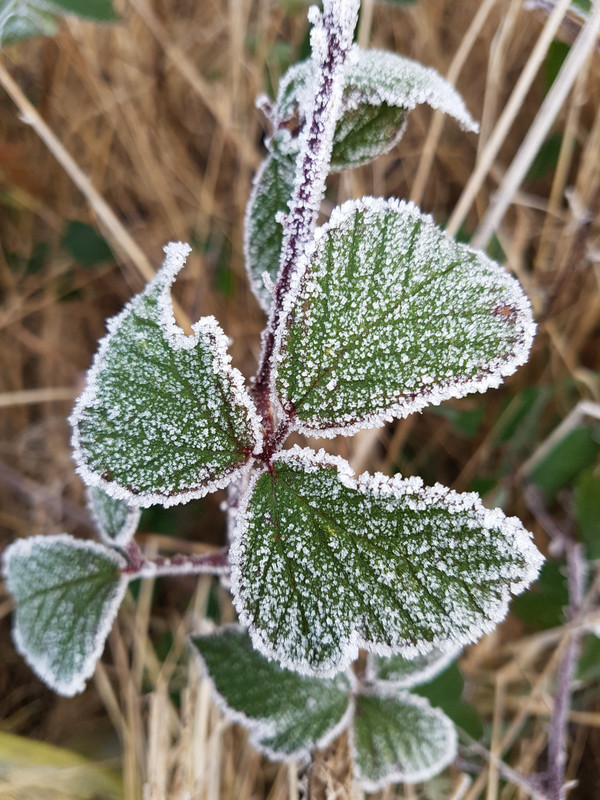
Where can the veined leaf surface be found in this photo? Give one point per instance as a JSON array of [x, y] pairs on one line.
[[323, 564], [389, 315], [288, 714], [67, 593], [381, 89], [164, 418], [400, 739]]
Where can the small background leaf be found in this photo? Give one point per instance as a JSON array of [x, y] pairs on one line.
[[288, 714], [115, 520], [400, 739], [445, 691], [67, 593], [85, 244]]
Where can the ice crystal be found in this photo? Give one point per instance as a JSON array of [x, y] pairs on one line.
[[381, 88], [323, 564], [287, 714], [388, 314], [164, 418], [67, 593]]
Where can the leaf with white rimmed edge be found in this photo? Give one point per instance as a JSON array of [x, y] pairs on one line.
[[381, 89], [323, 564], [164, 417], [287, 714], [263, 232], [387, 315], [115, 520], [403, 673], [400, 739], [24, 19], [67, 593]]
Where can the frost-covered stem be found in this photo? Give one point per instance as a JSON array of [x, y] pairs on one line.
[[331, 43], [557, 751], [142, 567]]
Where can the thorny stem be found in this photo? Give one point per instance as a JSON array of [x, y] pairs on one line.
[[141, 567], [331, 42]]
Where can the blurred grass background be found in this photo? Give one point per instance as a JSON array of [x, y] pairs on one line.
[[158, 112]]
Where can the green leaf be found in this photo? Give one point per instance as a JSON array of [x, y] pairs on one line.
[[115, 520], [544, 605], [97, 10], [587, 510], [23, 19], [389, 315], [323, 564], [287, 714], [445, 692], [400, 739], [85, 244], [164, 418], [263, 232], [67, 593], [403, 673], [381, 88], [578, 450]]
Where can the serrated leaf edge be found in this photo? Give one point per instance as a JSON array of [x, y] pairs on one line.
[[397, 775], [175, 257], [380, 485], [497, 370], [260, 728], [24, 548]]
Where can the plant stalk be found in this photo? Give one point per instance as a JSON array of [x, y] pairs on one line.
[[331, 42]]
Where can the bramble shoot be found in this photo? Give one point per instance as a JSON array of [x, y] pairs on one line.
[[372, 316]]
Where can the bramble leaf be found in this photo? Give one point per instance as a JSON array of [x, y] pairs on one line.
[[67, 593], [23, 19], [400, 738], [263, 233], [403, 673], [287, 714], [164, 418], [381, 89], [388, 315], [115, 520], [323, 564]]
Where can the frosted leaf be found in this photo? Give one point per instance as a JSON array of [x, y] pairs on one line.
[[67, 593], [23, 19], [400, 739], [115, 520], [287, 714], [403, 673], [263, 232], [164, 418], [381, 89], [388, 315], [323, 564]]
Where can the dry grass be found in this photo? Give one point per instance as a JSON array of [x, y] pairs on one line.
[[158, 114]]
